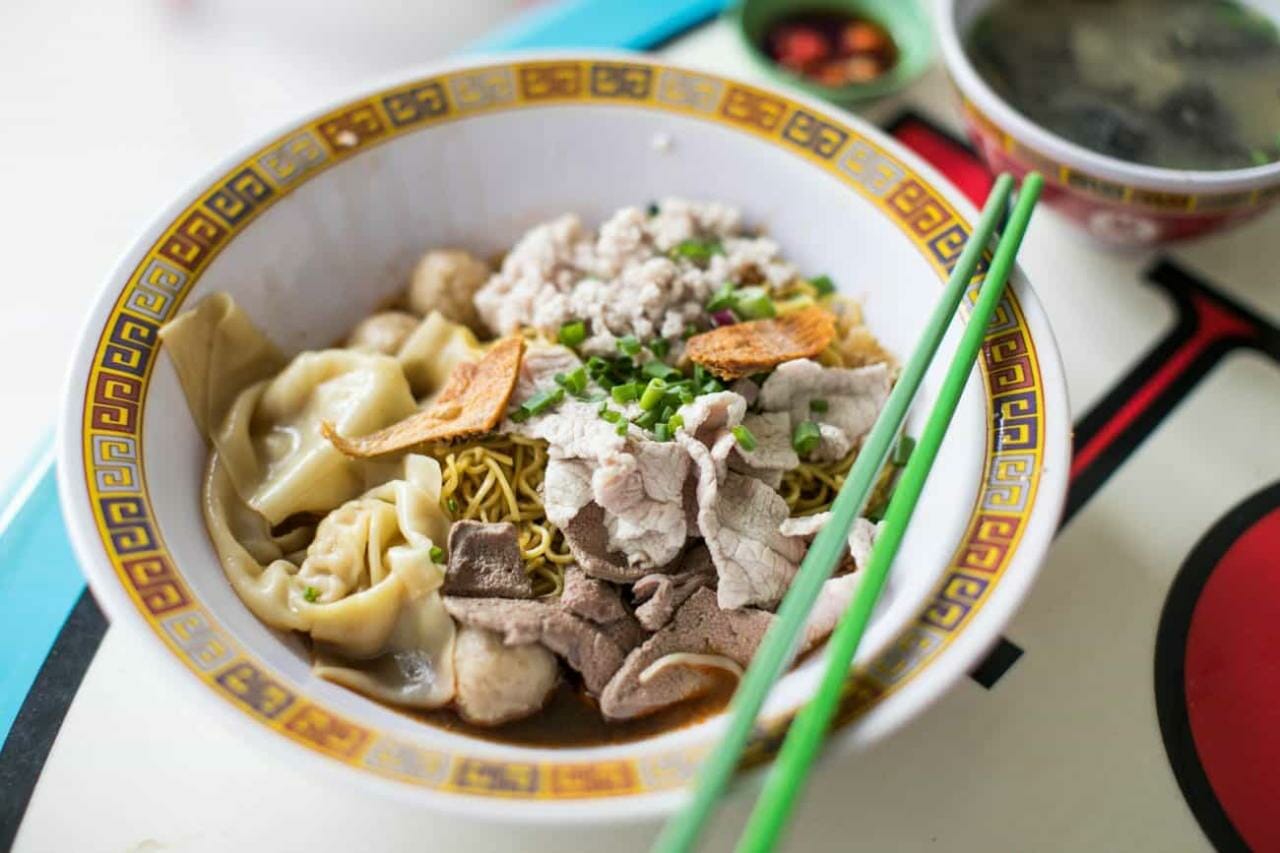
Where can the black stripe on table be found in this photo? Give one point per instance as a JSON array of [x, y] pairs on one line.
[[40, 717]]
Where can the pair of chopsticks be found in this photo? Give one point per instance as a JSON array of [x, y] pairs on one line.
[[804, 738]]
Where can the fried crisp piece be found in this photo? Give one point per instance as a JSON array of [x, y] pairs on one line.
[[732, 352], [474, 399]]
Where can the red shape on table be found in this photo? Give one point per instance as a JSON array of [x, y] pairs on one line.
[[1232, 682], [1214, 323]]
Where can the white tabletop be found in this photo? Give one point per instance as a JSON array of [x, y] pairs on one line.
[[1063, 753]]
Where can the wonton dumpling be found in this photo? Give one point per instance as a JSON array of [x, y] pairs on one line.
[[271, 441], [367, 590], [217, 352], [431, 353]]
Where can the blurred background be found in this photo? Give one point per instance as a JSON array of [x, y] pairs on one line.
[[112, 108]]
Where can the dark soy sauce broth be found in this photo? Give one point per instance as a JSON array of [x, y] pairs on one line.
[[571, 718]]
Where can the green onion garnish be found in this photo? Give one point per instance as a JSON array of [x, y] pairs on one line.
[[805, 437], [629, 345], [572, 334], [311, 593], [610, 415], [675, 422], [689, 331], [646, 420], [653, 394], [698, 251], [519, 416], [437, 554], [746, 440], [575, 381], [817, 404], [626, 392], [662, 432], [724, 297], [686, 396], [659, 370], [621, 428], [753, 303], [902, 452], [452, 505], [660, 347], [823, 284], [543, 400]]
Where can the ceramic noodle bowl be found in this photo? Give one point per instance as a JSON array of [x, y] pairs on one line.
[[321, 222]]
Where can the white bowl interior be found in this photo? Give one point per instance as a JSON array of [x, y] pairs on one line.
[[335, 248]]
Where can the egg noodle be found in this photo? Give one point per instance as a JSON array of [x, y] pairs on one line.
[[498, 478], [812, 487]]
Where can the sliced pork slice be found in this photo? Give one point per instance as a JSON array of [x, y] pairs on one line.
[[660, 595], [497, 683], [755, 562], [861, 536], [583, 645], [641, 493], [773, 450], [853, 396], [699, 627], [601, 603], [484, 562]]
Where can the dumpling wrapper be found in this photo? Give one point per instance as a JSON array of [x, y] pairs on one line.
[[433, 350], [217, 352], [473, 402], [743, 349], [366, 589], [268, 434]]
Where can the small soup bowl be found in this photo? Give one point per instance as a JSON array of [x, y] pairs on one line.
[[317, 224], [1118, 202]]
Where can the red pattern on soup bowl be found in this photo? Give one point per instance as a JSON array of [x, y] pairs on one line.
[[1118, 202]]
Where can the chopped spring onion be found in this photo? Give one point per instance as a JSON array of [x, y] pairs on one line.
[[311, 593], [675, 422], [817, 404], [451, 504], [689, 331], [519, 415], [754, 303], [543, 400], [660, 347], [698, 251], [610, 415], [437, 554], [575, 381], [572, 334], [805, 437], [653, 394], [626, 392], [659, 370], [902, 452], [629, 345], [823, 284], [745, 438], [661, 432], [724, 297], [686, 396], [621, 428]]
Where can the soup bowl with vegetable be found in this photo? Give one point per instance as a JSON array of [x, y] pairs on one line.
[[463, 435], [1152, 120]]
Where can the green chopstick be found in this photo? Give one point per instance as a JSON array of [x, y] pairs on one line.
[[804, 739], [779, 644]]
